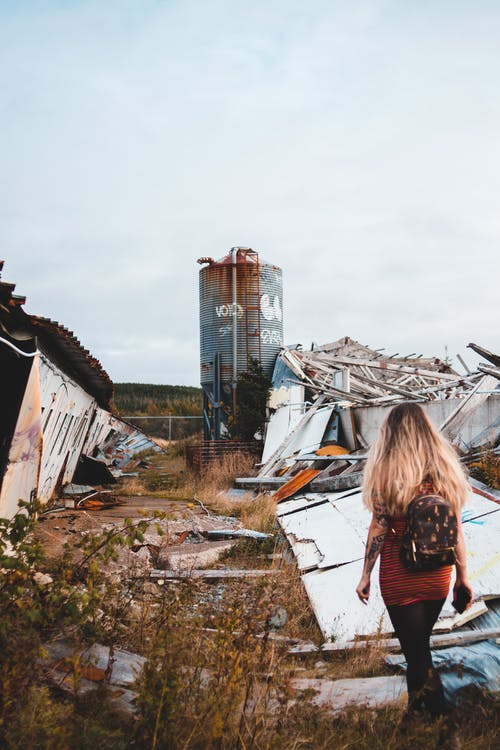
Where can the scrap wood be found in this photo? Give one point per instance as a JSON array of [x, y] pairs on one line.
[[169, 575], [444, 640], [337, 483], [97, 663], [87, 671], [393, 367], [372, 692], [260, 483], [295, 484], [495, 371], [493, 358]]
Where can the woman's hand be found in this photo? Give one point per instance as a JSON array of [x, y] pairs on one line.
[[464, 583], [363, 588]]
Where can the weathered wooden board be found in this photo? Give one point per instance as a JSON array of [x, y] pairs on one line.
[[372, 692], [170, 575], [460, 638]]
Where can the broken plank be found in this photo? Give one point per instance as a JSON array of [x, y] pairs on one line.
[[335, 483], [493, 358], [370, 692], [392, 644], [383, 365], [495, 371], [260, 483], [171, 575], [296, 483]]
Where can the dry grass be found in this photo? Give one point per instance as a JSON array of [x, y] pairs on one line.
[[487, 469], [216, 679], [220, 475]]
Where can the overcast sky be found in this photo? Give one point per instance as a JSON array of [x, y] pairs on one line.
[[356, 144]]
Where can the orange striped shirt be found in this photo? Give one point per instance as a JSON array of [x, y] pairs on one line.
[[399, 585]]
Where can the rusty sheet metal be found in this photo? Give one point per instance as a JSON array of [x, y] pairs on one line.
[[332, 450], [21, 477], [296, 483]]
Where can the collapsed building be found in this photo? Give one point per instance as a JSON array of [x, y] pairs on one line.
[[326, 407], [56, 404]]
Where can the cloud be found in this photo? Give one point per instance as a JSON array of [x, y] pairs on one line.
[[355, 145]]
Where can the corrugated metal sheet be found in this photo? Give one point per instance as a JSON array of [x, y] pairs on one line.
[[67, 411]]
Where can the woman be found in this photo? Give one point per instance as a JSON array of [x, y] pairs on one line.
[[409, 458]]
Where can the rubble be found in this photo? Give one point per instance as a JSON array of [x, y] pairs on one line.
[[326, 407], [57, 420], [83, 670]]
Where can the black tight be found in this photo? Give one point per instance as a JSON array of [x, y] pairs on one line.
[[413, 625]]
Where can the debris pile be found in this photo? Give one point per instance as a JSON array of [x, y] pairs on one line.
[[57, 422], [349, 371], [326, 407]]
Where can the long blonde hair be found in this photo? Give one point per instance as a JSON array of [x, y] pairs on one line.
[[408, 451]]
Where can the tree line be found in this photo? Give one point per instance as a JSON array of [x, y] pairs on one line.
[[155, 400]]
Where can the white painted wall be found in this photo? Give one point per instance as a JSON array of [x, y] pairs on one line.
[[67, 411]]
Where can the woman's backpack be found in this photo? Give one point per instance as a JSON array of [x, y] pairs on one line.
[[430, 536]]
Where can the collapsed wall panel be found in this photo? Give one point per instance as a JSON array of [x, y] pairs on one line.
[[55, 406], [67, 414], [20, 479]]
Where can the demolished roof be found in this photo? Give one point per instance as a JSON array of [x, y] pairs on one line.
[[345, 369]]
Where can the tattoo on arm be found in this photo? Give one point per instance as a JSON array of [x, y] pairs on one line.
[[381, 515], [372, 552]]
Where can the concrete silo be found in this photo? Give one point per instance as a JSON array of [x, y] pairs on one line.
[[241, 318]]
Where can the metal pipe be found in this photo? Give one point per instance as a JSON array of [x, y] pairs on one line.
[[19, 351], [234, 261]]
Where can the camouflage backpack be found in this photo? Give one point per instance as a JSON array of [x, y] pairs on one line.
[[430, 536]]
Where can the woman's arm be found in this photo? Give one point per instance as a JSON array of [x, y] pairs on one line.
[[376, 536], [461, 578]]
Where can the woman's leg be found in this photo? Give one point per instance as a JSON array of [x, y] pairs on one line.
[[413, 625]]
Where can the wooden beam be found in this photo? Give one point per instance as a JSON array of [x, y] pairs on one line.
[[382, 365], [260, 483], [392, 644], [336, 483], [172, 575]]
